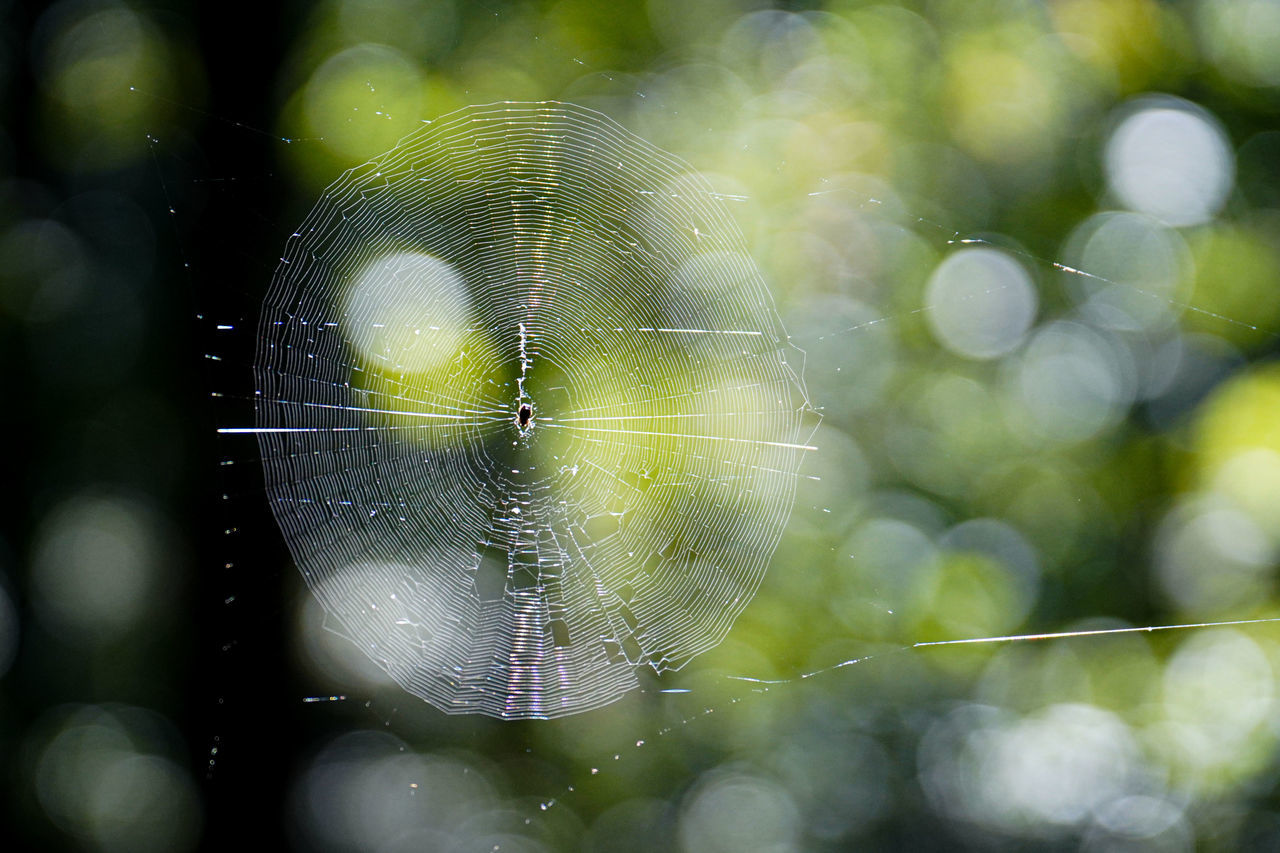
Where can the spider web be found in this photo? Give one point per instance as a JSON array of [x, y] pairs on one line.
[[400, 281], [527, 414]]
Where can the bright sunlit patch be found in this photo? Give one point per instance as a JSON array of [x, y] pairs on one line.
[[398, 621], [1039, 774], [1251, 481], [328, 650], [407, 312], [1171, 160], [1239, 418], [1238, 450], [980, 303], [1058, 765]]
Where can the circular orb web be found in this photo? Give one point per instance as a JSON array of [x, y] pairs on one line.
[[528, 417]]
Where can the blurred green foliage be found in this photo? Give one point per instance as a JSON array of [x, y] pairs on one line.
[[1115, 462]]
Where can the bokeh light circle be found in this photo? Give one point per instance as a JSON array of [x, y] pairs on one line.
[[980, 303], [1171, 160]]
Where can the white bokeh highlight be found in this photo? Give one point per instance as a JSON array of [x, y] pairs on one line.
[[1209, 555], [99, 778], [407, 311], [1072, 383], [1171, 160], [980, 303], [371, 791], [1139, 272], [731, 810], [100, 564], [1046, 772]]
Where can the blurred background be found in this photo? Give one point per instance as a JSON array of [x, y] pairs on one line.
[[1032, 250]]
